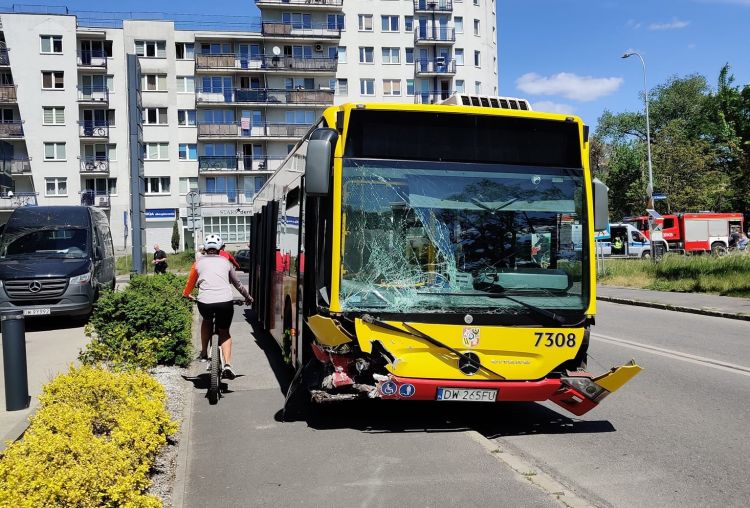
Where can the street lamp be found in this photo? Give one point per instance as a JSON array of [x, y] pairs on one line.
[[650, 187]]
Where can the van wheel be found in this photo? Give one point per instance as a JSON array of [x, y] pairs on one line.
[[718, 249], [646, 254]]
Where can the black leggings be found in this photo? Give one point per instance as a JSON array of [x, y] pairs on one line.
[[220, 313]]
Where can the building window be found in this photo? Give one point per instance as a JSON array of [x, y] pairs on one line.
[[367, 87], [476, 2], [157, 185], [408, 23], [96, 83], [54, 151], [154, 82], [185, 84], [54, 115], [460, 85], [365, 22], [53, 80], [477, 59], [391, 87], [101, 186], [458, 23], [151, 49], [409, 55], [185, 117], [300, 117], [341, 53], [188, 152], [478, 87], [296, 19], [299, 83], [111, 117], [391, 55], [99, 152], [342, 86], [51, 43], [335, 22], [156, 151], [366, 54], [185, 50], [409, 87], [56, 186], [231, 228], [476, 27], [188, 184], [389, 23], [155, 116], [459, 56]]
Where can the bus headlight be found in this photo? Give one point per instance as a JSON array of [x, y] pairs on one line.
[[84, 278]]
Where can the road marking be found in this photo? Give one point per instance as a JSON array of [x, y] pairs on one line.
[[676, 355]]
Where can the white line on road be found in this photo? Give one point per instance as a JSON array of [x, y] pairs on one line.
[[676, 355]]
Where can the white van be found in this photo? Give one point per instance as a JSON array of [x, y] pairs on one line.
[[625, 241]]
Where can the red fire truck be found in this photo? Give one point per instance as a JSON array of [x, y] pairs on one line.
[[694, 232]]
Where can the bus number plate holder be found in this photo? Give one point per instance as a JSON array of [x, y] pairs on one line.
[[466, 394]]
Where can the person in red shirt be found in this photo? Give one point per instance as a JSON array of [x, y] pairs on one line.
[[229, 256]]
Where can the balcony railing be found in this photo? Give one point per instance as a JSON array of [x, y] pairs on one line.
[[441, 6], [208, 164], [435, 67], [17, 166], [4, 59], [224, 198], [237, 129], [13, 200], [93, 129], [11, 129], [95, 198], [93, 94], [324, 30], [299, 3], [431, 96], [434, 34], [234, 61], [8, 93], [94, 165], [265, 96], [92, 58]]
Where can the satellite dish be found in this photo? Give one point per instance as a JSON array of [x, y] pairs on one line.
[[276, 50]]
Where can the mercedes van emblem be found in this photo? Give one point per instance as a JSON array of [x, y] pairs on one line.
[[468, 319], [35, 286]]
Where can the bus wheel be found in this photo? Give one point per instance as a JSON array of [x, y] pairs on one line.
[[718, 249], [297, 404]]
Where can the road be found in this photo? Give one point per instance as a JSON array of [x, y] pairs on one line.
[[674, 436]]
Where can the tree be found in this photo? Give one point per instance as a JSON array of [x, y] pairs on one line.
[[175, 237]]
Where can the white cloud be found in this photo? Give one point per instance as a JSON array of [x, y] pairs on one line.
[[675, 24], [635, 25], [553, 107], [568, 85]]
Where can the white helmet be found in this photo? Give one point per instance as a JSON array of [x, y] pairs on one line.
[[213, 242]]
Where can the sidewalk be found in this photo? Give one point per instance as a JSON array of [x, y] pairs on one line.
[[693, 303], [51, 346]]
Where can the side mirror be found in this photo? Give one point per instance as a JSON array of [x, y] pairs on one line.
[[601, 205], [320, 148]]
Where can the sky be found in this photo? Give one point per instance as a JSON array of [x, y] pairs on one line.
[[564, 55]]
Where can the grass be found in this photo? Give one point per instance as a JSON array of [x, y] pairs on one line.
[[726, 275]]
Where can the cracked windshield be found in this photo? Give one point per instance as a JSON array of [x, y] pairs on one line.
[[446, 236]]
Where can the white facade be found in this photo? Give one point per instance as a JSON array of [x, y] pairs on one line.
[[221, 109]]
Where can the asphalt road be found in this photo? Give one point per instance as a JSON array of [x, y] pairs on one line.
[[674, 436]]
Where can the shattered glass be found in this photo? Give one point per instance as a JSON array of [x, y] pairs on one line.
[[446, 236]]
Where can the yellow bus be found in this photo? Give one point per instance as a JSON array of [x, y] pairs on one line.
[[434, 252]]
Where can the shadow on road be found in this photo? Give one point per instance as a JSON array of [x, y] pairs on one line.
[[375, 415]]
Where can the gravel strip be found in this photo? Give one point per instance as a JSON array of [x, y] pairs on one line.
[[165, 466]]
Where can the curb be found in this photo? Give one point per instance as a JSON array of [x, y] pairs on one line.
[[675, 308], [20, 428]]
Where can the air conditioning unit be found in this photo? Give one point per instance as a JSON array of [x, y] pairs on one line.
[[102, 201], [319, 48]]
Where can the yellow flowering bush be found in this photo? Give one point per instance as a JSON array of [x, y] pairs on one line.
[[91, 443]]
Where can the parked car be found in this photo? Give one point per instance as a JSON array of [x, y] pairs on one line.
[[55, 260], [243, 258]]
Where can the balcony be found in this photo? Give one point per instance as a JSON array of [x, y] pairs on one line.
[[266, 96], [13, 200], [277, 29], [430, 6], [93, 94], [248, 130], [436, 67], [435, 34], [99, 199], [93, 129], [96, 165], [215, 164], [92, 59], [4, 59], [301, 5], [18, 166], [224, 198], [431, 96], [8, 93], [11, 130]]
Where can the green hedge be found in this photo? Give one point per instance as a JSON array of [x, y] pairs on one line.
[[92, 443], [146, 323]]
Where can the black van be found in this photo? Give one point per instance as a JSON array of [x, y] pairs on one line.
[[55, 260]]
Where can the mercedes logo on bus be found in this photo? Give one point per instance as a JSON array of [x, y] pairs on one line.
[[35, 286], [469, 363]]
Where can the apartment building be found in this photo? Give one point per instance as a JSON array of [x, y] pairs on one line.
[[221, 109]]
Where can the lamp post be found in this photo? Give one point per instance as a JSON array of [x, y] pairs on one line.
[[650, 187]]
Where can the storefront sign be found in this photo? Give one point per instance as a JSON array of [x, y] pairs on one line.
[[212, 211], [160, 214]]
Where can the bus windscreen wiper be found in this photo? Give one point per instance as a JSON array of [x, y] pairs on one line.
[[539, 310]]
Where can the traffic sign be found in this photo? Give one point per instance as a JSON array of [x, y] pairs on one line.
[[194, 222], [193, 199]]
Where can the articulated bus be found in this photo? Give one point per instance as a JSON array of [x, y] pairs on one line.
[[434, 252]]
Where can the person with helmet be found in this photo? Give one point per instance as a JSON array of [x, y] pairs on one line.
[[214, 277]]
